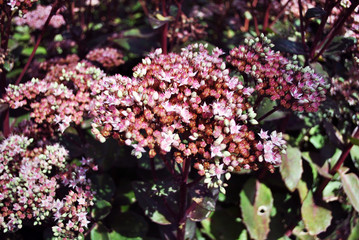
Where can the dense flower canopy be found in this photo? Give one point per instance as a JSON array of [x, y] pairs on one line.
[[186, 105]]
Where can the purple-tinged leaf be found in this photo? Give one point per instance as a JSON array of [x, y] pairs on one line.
[[316, 219], [350, 183], [291, 168], [256, 202], [316, 12]]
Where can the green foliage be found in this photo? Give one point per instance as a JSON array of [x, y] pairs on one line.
[[140, 199], [256, 202]]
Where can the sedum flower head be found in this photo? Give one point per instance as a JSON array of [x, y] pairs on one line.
[[297, 88], [30, 178], [61, 98], [186, 106]]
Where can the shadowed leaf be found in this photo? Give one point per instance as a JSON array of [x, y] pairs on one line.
[[101, 209], [284, 45], [153, 198], [316, 12]]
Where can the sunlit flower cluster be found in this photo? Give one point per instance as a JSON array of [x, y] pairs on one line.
[[30, 178], [297, 88], [37, 18], [107, 57], [60, 98], [187, 106], [21, 5]]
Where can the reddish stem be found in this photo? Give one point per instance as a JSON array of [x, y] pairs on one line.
[[181, 230], [269, 113], [266, 17], [328, 9], [339, 163], [335, 30], [164, 29], [302, 30], [55, 7], [5, 35], [279, 14]]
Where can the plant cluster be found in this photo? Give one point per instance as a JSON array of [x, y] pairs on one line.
[[179, 119]]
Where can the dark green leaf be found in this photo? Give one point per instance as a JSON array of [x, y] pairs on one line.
[[104, 186], [316, 12], [340, 44], [354, 141], [153, 198], [267, 105], [203, 202], [129, 225], [101, 209], [225, 224], [354, 153], [8, 66], [334, 134], [284, 45]]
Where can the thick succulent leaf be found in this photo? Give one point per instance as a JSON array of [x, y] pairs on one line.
[[354, 233], [333, 134], [291, 168], [302, 190], [350, 183], [153, 198], [354, 141], [117, 236], [317, 140], [330, 192], [316, 12], [27, 51], [354, 153], [99, 232], [225, 224], [340, 44], [301, 233], [256, 202], [101, 209], [285, 45], [203, 202], [129, 225], [157, 20], [104, 186], [316, 219], [267, 105]]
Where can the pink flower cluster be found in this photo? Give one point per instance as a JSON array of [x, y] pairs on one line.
[[297, 88], [60, 98], [37, 18], [21, 5], [107, 57], [28, 187], [187, 106]]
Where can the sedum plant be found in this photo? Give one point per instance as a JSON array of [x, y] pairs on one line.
[[179, 119]]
